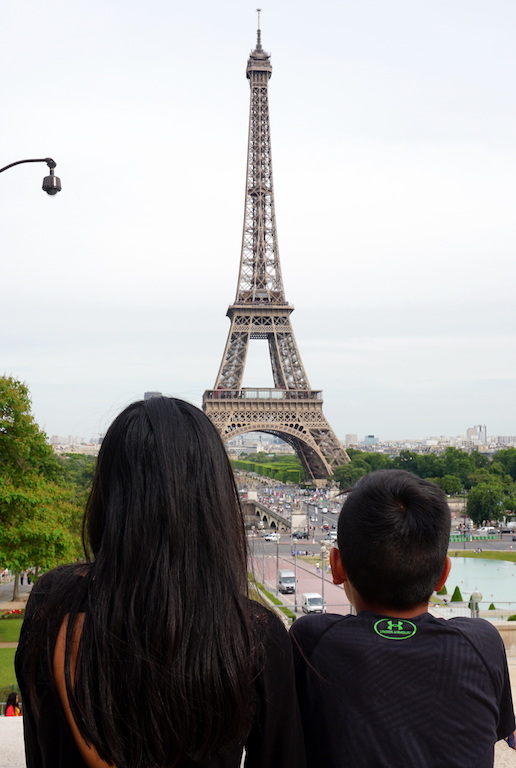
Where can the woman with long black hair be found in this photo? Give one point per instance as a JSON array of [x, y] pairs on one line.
[[150, 654]]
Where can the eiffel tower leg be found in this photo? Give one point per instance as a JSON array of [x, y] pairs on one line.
[[232, 367]]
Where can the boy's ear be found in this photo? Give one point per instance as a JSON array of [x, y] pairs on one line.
[[337, 569], [444, 575]]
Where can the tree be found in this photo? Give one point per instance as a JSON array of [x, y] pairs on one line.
[[458, 463], [376, 460], [508, 458], [449, 484], [456, 596], [486, 501], [407, 460], [347, 474], [36, 506]]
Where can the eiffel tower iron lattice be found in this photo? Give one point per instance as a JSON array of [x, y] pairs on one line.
[[291, 409]]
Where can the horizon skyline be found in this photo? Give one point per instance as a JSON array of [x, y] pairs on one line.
[[93, 438]]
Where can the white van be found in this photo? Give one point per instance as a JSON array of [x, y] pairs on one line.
[[312, 602], [286, 582]]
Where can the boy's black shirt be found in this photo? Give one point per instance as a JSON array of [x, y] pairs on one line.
[[378, 692]]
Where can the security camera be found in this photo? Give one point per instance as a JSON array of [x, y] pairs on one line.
[[52, 184]]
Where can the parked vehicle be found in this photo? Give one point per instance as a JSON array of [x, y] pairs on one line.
[[286, 582], [272, 537], [312, 602]]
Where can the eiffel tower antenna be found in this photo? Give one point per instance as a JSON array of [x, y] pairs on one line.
[[258, 32], [291, 409]]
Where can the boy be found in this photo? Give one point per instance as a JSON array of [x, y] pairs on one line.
[[394, 686]]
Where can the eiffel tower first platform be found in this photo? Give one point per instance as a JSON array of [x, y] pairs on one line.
[[291, 410]]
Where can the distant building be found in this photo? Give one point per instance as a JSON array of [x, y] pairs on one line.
[[351, 440], [477, 433], [370, 440], [149, 395]]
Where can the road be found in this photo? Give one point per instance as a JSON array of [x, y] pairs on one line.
[[268, 559], [502, 543], [6, 592]]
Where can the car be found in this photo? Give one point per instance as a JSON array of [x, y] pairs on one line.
[[271, 537], [300, 535], [312, 602]]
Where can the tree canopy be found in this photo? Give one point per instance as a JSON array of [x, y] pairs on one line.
[[37, 506], [490, 481]]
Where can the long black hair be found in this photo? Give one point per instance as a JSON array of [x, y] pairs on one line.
[[12, 701], [167, 654]]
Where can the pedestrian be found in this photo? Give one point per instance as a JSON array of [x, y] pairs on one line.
[[384, 687], [22, 577], [178, 671], [12, 707]]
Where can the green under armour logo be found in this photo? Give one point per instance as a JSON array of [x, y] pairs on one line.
[[395, 629]]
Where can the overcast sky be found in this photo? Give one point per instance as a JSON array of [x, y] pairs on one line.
[[393, 139]]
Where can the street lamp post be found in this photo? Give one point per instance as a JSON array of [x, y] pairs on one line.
[[295, 577], [464, 519], [51, 184], [324, 552]]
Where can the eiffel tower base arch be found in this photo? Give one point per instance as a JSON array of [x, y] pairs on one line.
[[293, 416]]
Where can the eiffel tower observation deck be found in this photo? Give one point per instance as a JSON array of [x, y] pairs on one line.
[[291, 410]]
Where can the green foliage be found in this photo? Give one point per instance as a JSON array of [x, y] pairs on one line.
[[486, 501], [23, 446], [492, 607], [507, 457], [442, 591], [286, 468], [512, 617], [78, 470], [457, 463], [36, 506], [457, 596], [450, 484], [453, 470], [347, 474]]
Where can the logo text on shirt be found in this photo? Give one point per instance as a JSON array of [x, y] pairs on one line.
[[395, 629]]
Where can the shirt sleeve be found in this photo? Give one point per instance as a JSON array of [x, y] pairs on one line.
[[506, 722], [276, 739]]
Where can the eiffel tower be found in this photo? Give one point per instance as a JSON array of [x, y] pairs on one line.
[[291, 410]]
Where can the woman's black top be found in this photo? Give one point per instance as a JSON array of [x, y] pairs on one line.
[[275, 738]]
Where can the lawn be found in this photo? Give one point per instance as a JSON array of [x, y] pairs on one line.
[[10, 630], [7, 676]]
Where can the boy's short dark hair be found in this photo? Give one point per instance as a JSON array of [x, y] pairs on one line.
[[393, 537]]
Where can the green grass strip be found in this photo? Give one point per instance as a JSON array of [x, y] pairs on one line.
[[288, 613], [7, 676], [10, 630]]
